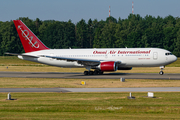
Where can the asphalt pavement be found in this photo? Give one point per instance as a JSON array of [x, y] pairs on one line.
[[82, 76]]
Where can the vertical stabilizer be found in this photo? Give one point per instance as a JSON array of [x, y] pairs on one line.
[[28, 39]]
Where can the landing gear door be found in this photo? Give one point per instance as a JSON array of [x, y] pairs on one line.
[[155, 55]]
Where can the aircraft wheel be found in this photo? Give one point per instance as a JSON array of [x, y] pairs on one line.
[[85, 72], [91, 72], [100, 72], [95, 72], [161, 72]]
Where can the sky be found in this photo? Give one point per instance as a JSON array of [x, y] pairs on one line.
[[75, 10]]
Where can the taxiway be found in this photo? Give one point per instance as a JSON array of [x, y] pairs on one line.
[[82, 76], [62, 90]]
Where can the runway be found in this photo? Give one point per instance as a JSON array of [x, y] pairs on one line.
[[82, 76], [63, 90]]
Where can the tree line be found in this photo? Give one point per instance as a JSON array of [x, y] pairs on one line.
[[133, 32]]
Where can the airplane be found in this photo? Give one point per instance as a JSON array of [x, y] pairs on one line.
[[98, 59]]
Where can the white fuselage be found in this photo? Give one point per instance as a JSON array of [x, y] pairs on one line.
[[128, 57]]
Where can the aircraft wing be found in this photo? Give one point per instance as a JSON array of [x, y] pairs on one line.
[[90, 62], [21, 54], [85, 62], [79, 61]]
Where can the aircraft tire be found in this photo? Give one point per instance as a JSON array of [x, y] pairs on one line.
[[86, 72], [161, 72], [91, 72], [95, 72], [100, 72]]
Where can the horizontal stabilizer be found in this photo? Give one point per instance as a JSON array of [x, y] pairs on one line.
[[21, 55], [7, 53]]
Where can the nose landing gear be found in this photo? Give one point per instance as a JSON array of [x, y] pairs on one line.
[[161, 72], [162, 68]]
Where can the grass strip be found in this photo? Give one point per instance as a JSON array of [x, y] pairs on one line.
[[90, 106], [90, 83]]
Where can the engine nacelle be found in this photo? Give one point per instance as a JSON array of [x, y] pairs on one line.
[[108, 66]]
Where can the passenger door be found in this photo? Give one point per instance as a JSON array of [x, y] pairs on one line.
[[155, 55]]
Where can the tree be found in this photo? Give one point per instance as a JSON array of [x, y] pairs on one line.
[[119, 42], [97, 38], [9, 41], [111, 20], [43, 35], [37, 23], [134, 31], [68, 35], [169, 36], [90, 33], [144, 41], [177, 44], [81, 34]]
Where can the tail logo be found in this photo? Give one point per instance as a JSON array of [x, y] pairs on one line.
[[25, 34]]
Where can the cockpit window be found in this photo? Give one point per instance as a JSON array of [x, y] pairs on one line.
[[168, 54]]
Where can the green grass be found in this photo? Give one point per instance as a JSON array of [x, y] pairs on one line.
[[90, 106], [68, 106]]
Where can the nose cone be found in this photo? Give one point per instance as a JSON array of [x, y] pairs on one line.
[[174, 58], [171, 59]]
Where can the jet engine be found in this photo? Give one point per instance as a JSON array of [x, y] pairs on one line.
[[108, 66]]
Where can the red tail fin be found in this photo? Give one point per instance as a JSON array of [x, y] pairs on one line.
[[28, 39]]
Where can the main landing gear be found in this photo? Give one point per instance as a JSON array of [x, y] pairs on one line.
[[162, 68], [95, 72]]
